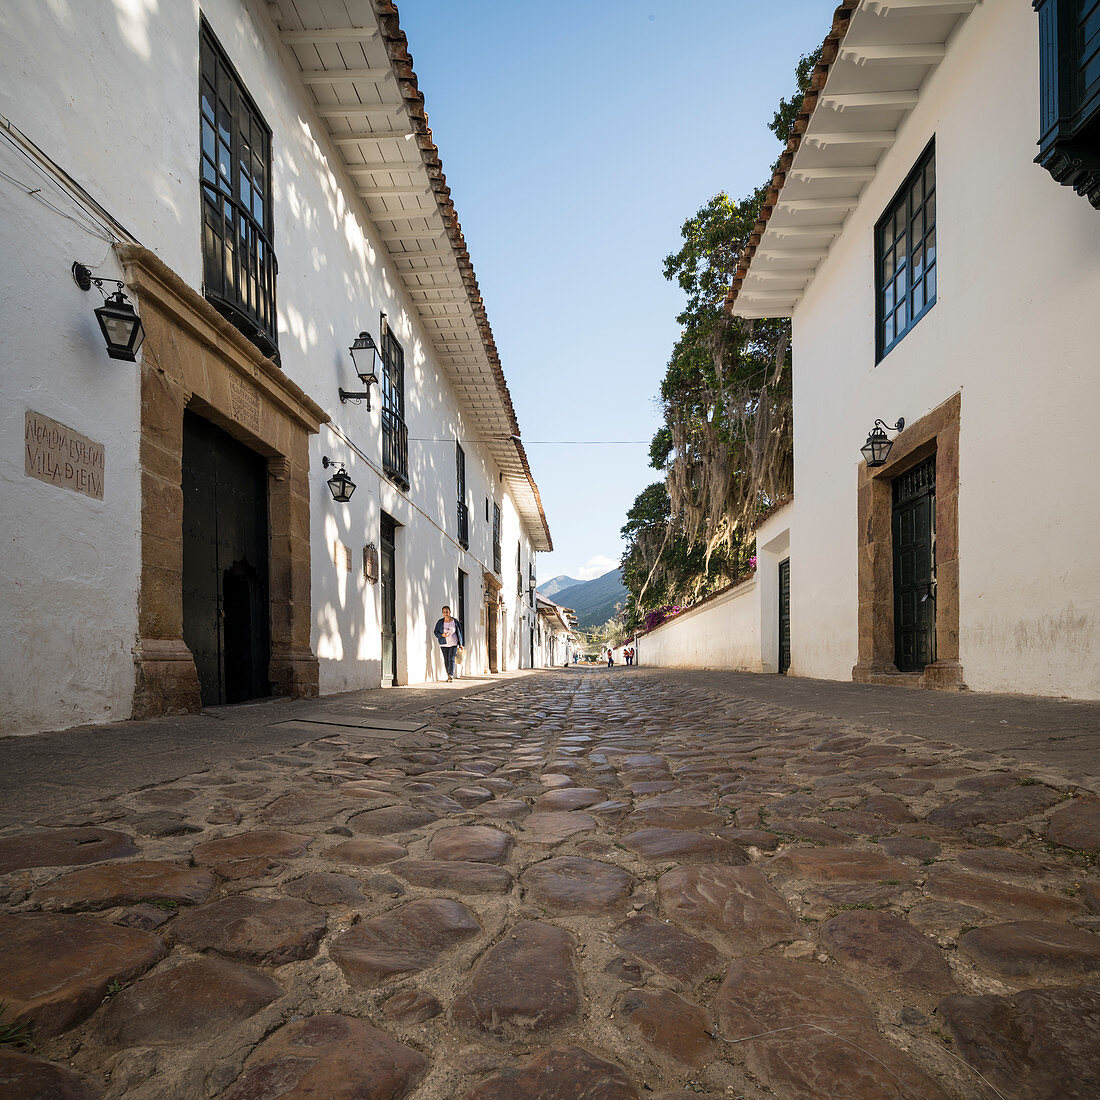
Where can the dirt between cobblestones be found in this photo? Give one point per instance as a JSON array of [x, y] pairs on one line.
[[568, 887]]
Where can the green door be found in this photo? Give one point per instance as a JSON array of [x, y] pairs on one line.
[[914, 545], [784, 615], [388, 574]]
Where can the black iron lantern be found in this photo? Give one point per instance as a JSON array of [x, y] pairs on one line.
[[121, 327], [364, 356], [877, 448], [339, 484], [118, 320]]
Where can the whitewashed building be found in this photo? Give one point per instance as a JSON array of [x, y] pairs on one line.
[[556, 625], [936, 273], [261, 178]]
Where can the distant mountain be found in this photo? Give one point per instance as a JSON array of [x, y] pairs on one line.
[[593, 601], [556, 584]]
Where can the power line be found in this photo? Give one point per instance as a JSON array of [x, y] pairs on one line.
[[541, 442]]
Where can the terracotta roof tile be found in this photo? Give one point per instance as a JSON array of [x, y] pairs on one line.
[[830, 49], [397, 47]]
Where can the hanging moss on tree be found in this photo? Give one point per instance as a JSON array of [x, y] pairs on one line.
[[726, 444]]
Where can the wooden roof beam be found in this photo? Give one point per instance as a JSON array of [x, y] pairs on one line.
[[394, 193], [374, 135], [813, 205], [881, 138], [344, 76], [805, 230], [328, 34], [921, 7], [384, 111], [861, 174], [870, 101], [378, 166], [917, 54]]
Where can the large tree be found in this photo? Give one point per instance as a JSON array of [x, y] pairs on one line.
[[726, 443]]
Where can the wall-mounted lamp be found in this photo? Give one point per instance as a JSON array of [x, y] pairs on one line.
[[118, 321], [364, 355], [340, 484], [877, 448]]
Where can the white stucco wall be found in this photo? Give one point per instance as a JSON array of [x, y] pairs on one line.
[[68, 563], [1016, 329], [110, 92], [724, 632], [738, 629]]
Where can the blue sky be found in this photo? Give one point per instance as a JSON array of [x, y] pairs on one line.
[[576, 140]]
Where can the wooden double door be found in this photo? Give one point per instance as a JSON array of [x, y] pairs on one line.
[[226, 615]]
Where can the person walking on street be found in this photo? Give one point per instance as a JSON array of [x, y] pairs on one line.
[[448, 632], [610, 658]]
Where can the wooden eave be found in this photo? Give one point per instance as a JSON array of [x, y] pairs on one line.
[[359, 75], [874, 61]]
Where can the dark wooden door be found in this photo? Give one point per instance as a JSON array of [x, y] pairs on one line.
[[491, 635], [226, 621], [388, 577], [914, 545], [784, 615]]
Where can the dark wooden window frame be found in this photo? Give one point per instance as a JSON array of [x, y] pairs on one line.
[[896, 289], [496, 539], [239, 264], [395, 433], [460, 487], [1069, 93]]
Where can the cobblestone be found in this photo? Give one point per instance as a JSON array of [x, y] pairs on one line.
[[589, 884]]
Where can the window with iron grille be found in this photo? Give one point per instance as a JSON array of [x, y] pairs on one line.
[[496, 538], [519, 569], [1069, 93], [463, 512], [462, 599], [238, 263], [395, 435], [905, 255]]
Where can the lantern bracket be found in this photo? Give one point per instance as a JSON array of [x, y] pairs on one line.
[[877, 448], [346, 395], [895, 428], [83, 277]]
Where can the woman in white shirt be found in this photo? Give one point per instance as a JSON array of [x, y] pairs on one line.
[[448, 632]]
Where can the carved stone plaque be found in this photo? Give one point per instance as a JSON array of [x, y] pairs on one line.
[[246, 405], [62, 457], [341, 556]]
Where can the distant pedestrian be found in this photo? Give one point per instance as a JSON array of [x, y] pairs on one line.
[[448, 632], [628, 653], [610, 658]]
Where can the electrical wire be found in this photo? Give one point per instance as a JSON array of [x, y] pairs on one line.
[[93, 219], [539, 442], [36, 193]]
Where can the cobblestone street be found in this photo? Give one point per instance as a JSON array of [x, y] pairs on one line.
[[590, 885]]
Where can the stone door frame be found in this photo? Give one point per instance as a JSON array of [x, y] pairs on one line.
[[937, 434], [192, 358]]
